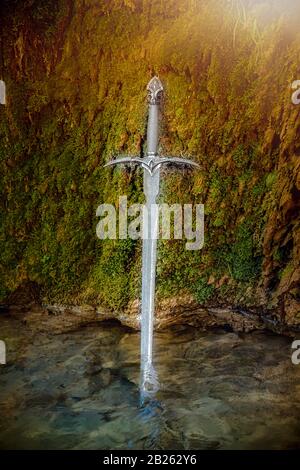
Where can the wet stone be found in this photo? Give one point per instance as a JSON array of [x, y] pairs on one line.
[[218, 390]]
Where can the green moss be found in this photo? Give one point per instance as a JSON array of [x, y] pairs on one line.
[[271, 179], [239, 157], [203, 291], [109, 278], [286, 271], [244, 157], [259, 189], [76, 96], [245, 266]]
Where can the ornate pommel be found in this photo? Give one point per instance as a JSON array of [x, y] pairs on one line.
[[155, 90]]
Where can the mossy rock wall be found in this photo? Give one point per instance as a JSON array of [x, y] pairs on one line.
[[76, 73]]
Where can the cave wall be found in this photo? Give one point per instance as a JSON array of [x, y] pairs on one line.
[[76, 72]]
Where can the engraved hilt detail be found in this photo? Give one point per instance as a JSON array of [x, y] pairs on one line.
[[155, 90]]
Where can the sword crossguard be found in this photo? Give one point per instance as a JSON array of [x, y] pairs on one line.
[[153, 163]]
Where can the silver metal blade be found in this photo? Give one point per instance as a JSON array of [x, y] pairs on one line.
[[149, 382]]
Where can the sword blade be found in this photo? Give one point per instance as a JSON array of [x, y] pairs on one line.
[[149, 382]]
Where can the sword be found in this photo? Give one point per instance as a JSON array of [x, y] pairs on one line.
[[151, 164]]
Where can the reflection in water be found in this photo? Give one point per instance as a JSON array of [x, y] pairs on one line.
[[149, 384], [81, 390], [150, 412], [151, 408]]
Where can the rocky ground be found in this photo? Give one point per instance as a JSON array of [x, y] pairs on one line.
[[80, 389], [25, 306], [63, 318]]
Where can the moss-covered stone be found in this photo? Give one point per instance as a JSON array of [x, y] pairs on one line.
[[76, 73]]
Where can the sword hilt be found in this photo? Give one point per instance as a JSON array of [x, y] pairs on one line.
[[155, 90], [152, 162]]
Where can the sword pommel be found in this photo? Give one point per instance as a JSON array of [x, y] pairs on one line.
[[155, 90]]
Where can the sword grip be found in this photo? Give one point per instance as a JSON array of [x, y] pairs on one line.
[[152, 130]]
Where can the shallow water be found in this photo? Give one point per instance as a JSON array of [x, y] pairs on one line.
[[79, 390]]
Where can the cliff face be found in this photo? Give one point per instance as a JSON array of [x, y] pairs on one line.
[[76, 72]]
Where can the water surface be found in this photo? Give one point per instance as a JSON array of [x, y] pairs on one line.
[[219, 390]]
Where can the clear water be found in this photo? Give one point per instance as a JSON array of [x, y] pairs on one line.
[[81, 390]]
